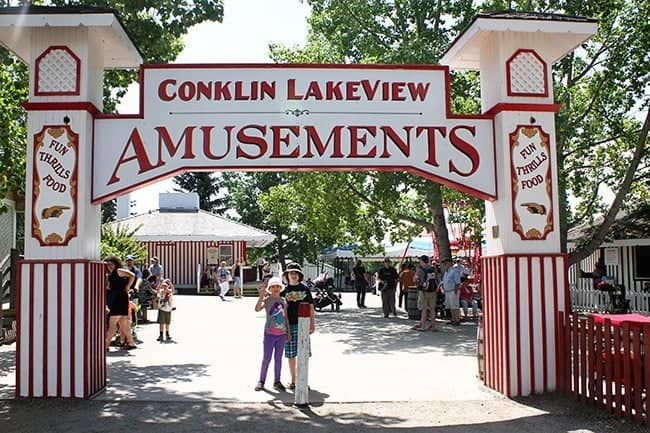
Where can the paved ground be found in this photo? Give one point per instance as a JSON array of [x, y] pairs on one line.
[[367, 373], [357, 356]]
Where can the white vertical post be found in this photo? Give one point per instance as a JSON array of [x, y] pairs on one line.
[[302, 382], [241, 281], [199, 274]]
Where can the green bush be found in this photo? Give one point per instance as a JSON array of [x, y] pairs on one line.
[[121, 242]]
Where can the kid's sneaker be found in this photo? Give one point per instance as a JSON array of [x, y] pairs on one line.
[[279, 387], [259, 386]]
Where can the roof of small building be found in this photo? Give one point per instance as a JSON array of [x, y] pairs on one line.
[[628, 226], [516, 15], [193, 226]]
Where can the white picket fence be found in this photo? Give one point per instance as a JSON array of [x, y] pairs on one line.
[[586, 299], [639, 302]]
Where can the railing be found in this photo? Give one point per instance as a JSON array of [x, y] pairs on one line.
[[584, 299], [312, 271], [8, 275], [5, 279], [639, 301], [605, 365]]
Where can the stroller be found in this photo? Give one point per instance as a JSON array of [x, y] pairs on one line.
[[324, 294]]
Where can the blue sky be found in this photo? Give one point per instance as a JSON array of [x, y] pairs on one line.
[[248, 27]]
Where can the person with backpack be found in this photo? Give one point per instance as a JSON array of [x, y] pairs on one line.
[[427, 282]]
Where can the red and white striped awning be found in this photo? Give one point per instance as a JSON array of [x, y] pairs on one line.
[[193, 226]]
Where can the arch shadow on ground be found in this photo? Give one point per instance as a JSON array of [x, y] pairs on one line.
[[550, 413]]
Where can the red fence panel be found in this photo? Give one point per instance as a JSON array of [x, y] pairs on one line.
[[646, 369], [605, 364], [637, 380]]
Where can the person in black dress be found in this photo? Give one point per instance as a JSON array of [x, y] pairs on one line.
[[119, 281], [360, 283]]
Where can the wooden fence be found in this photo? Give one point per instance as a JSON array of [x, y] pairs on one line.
[[606, 365]]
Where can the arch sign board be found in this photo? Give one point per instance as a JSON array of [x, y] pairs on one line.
[[284, 117]]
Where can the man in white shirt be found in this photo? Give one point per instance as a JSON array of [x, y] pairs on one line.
[[451, 286]]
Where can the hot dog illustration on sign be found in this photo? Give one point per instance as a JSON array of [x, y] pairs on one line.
[[54, 214], [532, 198]]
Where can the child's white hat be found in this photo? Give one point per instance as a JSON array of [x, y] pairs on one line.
[[275, 281]]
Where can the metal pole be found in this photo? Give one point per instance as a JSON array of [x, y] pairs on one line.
[[302, 380]]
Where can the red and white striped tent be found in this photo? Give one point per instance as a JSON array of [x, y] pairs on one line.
[[182, 241]]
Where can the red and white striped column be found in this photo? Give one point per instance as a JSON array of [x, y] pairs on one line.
[[521, 296], [60, 338]]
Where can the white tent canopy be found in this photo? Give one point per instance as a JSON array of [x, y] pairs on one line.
[[193, 226]]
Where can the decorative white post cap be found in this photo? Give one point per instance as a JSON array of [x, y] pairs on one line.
[[563, 33], [17, 23]]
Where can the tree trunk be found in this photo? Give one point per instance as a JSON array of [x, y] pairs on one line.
[[597, 239], [439, 222]]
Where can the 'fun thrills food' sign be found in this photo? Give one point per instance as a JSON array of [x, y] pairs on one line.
[[54, 213], [532, 210], [293, 117]]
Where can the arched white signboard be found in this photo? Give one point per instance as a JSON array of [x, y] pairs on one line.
[[267, 117]]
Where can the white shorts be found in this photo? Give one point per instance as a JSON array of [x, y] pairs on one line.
[[452, 300]]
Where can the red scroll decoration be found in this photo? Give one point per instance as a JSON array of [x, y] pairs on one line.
[[54, 211], [532, 197]]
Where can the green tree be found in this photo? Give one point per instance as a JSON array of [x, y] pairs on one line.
[[109, 211], [267, 201], [120, 242], [603, 87], [602, 127], [382, 31], [13, 126], [206, 185], [157, 28]]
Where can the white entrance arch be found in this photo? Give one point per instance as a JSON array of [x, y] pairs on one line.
[[271, 117]]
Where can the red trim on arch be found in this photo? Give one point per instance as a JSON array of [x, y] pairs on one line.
[[509, 90], [62, 106], [452, 184], [535, 108], [37, 73]]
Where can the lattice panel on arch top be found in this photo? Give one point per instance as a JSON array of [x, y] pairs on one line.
[[58, 70], [527, 74]]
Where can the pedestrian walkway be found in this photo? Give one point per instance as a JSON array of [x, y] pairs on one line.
[[358, 355], [367, 373]]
